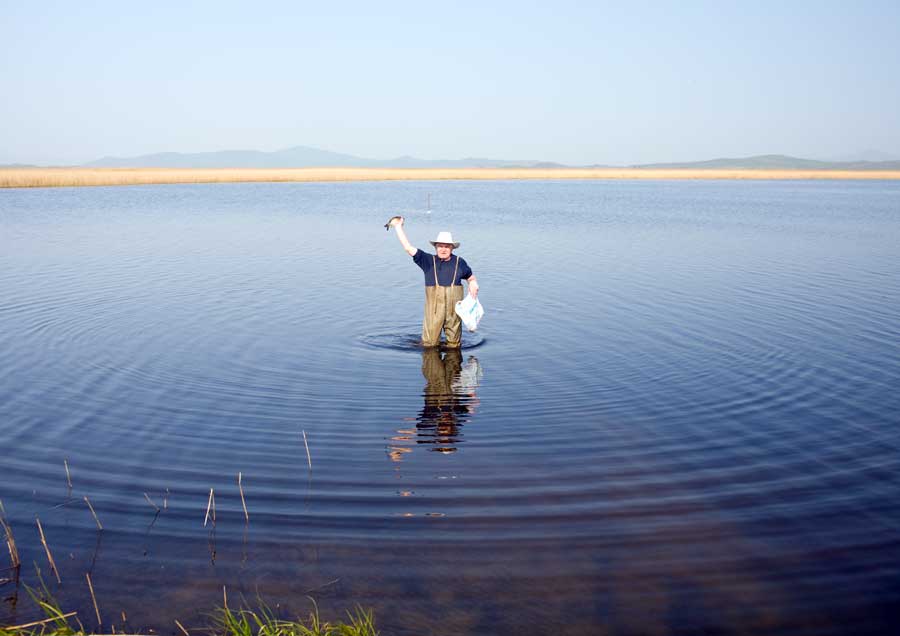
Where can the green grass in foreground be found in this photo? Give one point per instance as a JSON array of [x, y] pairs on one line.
[[225, 622], [246, 622]]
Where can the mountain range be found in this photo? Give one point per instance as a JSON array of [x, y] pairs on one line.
[[306, 157], [777, 162], [298, 157]]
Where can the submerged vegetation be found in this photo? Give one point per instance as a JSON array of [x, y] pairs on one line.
[[224, 621]]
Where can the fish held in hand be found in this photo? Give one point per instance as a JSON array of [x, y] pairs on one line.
[[394, 220]]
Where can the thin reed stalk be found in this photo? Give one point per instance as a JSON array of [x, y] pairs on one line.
[[93, 598], [243, 502], [150, 501], [181, 627], [10, 541], [47, 550], [210, 505], [68, 476], [321, 587], [308, 458], [88, 502], [13, 628]]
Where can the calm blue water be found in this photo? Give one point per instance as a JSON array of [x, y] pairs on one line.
[[679, 415]]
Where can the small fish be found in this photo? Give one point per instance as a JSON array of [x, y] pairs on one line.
[[392, 221]]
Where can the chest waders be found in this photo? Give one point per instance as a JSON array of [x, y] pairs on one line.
[[440, 311]]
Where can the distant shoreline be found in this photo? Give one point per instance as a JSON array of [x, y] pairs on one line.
[[69, 177]]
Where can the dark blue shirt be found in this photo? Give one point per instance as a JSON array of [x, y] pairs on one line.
[[444, 269]]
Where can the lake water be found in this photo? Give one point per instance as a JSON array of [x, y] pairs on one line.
[[679, 415]]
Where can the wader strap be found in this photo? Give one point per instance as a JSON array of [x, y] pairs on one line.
[[455, 269], [434, 270]]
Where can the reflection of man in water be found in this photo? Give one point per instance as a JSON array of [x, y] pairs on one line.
[[450, 402], [449, 398], [444, 274]]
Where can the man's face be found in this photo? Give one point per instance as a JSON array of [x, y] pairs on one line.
[[443, 250]]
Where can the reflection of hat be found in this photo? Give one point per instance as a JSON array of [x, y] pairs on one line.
[[445, 237]]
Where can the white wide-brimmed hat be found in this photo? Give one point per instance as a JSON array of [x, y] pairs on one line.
[[444, 237]]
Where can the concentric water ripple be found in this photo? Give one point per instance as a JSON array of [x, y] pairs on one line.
[[685, 424]]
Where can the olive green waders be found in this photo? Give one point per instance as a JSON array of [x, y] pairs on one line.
[[440, 311]]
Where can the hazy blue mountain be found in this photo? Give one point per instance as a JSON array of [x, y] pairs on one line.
[[866, 165], [868, 155], [306, 157], [296, 157], [469, 162], [776, 162]]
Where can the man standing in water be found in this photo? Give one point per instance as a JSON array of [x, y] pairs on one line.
[[444, 274]]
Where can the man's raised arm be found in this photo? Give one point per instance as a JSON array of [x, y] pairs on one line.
[[398, 226]]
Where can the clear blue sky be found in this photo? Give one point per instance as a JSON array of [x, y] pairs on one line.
[[574, 82]]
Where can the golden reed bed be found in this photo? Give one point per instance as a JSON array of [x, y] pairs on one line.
[[60, 177]]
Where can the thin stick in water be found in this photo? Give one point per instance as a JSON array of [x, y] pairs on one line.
[[208, 507], [308, 458], [68, 476], [13, 551], [243, 503], [93, 598], [181, 627], [10, 541], [14, 628], [150, 501], [47, 550], [324, 585], [225, 597], [88, 502], [166, 500]]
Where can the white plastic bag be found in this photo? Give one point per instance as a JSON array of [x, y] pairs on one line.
[[470, 311], [469, 377]]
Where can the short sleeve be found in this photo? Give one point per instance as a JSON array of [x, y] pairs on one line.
[[420, 258], [464, 270]]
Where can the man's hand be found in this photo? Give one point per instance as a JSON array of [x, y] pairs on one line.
[[397, 221], [473, 287]]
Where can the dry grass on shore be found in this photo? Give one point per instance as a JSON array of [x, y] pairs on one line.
[[64, 177]]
